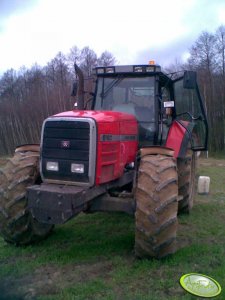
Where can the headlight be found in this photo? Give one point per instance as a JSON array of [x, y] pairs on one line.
[[77, 168], [52, 166]]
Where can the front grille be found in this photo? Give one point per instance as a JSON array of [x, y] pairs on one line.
[[66, 142]]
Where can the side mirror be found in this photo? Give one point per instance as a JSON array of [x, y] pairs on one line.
[[74, 89], [189, 80]]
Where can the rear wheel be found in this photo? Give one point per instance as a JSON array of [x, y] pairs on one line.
[[156, 211], [16, 223], [186, 181]]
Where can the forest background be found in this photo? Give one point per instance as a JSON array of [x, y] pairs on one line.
[[28, 96]]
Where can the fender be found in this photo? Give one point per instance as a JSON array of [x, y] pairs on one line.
[[28, 147], [179, 136], [154, 150]]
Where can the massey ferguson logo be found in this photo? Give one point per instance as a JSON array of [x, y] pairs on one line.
[[65, 144]]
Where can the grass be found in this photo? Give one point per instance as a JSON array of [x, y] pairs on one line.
[[91, 257]]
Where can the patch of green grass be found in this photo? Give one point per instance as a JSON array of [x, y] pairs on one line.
[[81, 240], [94, 288], [91, 257], [217, 155]]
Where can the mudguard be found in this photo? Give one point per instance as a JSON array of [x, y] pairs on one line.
[[179, 137], [28, 147]]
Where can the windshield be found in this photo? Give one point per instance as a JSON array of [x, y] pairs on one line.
[[133, 95], [126, 94]]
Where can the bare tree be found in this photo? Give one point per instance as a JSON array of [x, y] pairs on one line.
[[106, 59], [220, 45], [204, 59], [74, 56], [88, 60]]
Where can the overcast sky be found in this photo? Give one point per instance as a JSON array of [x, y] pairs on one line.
[[135, 31]]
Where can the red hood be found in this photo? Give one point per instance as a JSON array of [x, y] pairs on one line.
[[99, 116]]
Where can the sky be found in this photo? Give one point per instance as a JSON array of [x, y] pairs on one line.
[[134, 31]]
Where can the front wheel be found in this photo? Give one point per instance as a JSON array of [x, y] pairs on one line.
[[156, 207], [17, 225]]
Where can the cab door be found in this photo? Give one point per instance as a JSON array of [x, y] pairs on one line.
[[190, 111]]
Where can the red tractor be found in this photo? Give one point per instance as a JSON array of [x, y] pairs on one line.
[[133, 151]]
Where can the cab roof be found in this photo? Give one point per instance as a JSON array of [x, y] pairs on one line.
[[133, 70]]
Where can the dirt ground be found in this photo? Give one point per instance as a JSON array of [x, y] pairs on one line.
[[207, 162], [50, 279]]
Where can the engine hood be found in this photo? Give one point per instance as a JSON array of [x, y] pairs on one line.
[[99, 116]]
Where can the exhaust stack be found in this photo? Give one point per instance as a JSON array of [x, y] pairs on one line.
[[80, 90]]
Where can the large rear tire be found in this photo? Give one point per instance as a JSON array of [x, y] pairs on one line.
[[186, 181], [156, 211], [17, 225]]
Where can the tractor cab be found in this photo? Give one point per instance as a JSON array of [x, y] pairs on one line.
[[154, 99], [132, 90]]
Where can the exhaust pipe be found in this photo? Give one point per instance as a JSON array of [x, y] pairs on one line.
[[80, 90]]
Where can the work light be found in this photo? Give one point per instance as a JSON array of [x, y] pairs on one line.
[[77, 168], [52, 166]]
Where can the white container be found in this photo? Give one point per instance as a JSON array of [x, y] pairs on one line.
[[203, 185]]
